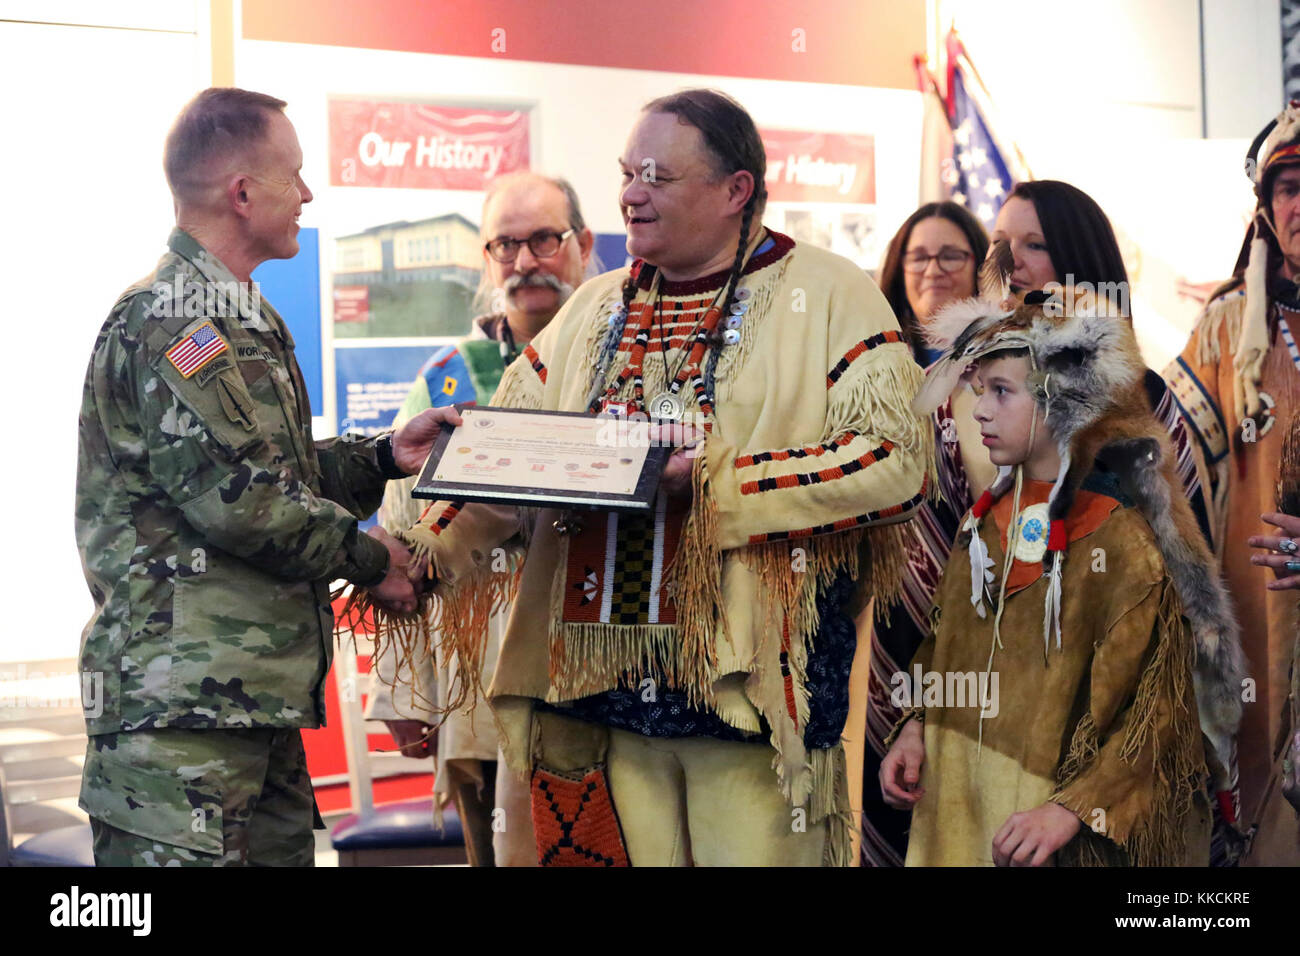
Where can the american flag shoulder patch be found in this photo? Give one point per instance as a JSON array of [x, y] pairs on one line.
[[197, 349]]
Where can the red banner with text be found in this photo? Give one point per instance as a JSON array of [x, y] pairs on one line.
[[819, 167], [423, 146]]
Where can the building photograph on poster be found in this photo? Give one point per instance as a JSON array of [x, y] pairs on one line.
[[407, 278], [401, 287], [970, 531], [415, 277]]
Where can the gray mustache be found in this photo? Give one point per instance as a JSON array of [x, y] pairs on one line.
[[542, 280]]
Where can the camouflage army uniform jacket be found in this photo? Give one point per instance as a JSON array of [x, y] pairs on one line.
[[209, 523]]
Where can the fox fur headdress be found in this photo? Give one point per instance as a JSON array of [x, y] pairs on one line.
[[1087, 374]]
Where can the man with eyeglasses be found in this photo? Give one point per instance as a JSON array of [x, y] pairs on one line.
[[536, 250]]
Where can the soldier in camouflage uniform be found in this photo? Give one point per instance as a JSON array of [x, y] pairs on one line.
[[210, 523]]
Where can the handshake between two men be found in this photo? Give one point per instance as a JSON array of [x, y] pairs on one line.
[[412, 444]]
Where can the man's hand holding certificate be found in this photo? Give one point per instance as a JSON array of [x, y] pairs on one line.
[[546, 459]]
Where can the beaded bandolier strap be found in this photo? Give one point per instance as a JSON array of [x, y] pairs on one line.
[[617, 565]]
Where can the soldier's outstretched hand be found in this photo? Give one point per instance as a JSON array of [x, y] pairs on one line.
[[414, 440]]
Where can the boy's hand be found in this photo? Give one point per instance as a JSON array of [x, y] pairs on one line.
[[900, 771], [1032, 837]]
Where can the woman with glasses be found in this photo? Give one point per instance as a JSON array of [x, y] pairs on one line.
[[931, 261]]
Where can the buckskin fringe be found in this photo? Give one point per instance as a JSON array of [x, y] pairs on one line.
[[519, 387], [597, 332], [404, 633], [454, 617], [874, 397], [762, 285], [790, 582], [792, 573], [1227, 312], [400, 510], [693, 580], [829, 801], [884, 563], [1177, 763], [587, 659]]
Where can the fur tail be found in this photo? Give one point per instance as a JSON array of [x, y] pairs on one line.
[[1220, 662]]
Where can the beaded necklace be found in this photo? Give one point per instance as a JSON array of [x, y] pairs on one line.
[[666, 405]]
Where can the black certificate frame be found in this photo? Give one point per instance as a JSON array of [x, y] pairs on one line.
[[640, 501]]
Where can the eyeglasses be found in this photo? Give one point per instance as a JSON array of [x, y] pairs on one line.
[[543, 244], [950, 259]]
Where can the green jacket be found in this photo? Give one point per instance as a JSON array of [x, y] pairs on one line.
[[209, 523]]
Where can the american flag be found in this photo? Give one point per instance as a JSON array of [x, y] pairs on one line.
[[195, 349], [983, 169]]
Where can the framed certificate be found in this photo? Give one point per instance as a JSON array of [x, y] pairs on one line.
[[544, 460]]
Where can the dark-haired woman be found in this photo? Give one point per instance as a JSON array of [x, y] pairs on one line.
[[931, 261], [1058, 233]]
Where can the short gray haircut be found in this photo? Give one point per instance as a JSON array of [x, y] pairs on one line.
[[482, 298], [218, 122], [563, 185]]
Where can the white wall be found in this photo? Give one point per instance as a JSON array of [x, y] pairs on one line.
[[1242, 42], [86, 212], [1107, 95]]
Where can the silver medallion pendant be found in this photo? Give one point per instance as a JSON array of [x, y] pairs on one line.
[[665, 407]]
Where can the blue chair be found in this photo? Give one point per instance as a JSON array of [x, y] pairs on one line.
[[394, 834], [400, 834], [65, 846]]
